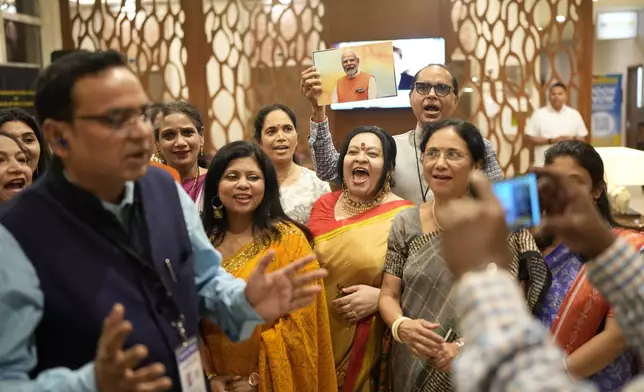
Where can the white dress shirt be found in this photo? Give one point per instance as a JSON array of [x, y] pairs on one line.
[[549, 123]]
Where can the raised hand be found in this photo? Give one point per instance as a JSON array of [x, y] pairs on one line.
[[475, 230], [571, 214], [114, 367], [276, 294], [311, 86]]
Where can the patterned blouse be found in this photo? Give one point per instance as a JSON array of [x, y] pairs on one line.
[[298, 197]]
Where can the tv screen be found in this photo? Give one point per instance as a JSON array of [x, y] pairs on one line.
[[410, 56]]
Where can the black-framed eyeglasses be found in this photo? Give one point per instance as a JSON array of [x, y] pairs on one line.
[[441, 89], [122, 118]]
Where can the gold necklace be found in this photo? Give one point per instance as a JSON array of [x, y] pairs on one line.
[[287, 175], [352, 208], [434, 216]]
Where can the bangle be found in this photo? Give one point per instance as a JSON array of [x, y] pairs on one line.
[[396, 325], [211, 376], [565, 363], [460, 343]]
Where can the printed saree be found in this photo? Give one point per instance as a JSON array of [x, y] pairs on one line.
[[292, 355], [426, 284], [575, 311], [353, 250]]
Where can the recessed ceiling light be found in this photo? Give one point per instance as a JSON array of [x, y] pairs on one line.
[[560, 18]]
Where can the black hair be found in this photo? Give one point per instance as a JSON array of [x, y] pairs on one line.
[[558, 84], [388, 148], [18, 142], [587, 157], [454, 81], [17, 114], [55, 84], [260, 119], [467, 131], [268, 214], [265, 111], [181, 107]]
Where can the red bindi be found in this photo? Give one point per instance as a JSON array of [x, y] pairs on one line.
[[363, 146]]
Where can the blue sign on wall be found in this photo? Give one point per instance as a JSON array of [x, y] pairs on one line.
[[606, 121]]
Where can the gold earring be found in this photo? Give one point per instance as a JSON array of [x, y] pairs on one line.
[[217, 211], [157, 157]]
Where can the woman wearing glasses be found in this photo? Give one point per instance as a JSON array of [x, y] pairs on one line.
[[434, 96], [414, 298], [179, 137]]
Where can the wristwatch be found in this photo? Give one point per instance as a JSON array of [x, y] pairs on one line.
[[253, 379], [549, 140]]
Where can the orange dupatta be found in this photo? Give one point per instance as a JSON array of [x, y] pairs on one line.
[[292, 355], [584, 308]]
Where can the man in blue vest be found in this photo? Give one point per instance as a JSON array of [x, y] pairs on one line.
[[105, 267]]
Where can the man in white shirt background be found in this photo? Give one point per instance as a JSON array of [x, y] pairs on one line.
[[554, 123]]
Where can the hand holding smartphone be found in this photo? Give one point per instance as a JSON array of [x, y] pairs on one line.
[[519, 197]]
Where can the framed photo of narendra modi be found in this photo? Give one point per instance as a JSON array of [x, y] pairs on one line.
[[356, 73]]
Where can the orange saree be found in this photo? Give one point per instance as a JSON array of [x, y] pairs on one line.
[[292, 355], [353, 250], [584, 308]]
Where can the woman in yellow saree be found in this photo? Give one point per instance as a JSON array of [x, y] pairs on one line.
[[244, 219], [351, 229]]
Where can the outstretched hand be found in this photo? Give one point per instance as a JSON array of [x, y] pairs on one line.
[[278, 293], [311, 85], [571, 214]]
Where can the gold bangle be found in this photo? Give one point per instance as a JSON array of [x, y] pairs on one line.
[[211, 376]]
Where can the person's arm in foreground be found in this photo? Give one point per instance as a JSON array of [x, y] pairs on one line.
[[505, 348], [236, 307], [323, 152], [21, 307]]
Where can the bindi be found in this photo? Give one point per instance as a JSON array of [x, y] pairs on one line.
[[363, 146]]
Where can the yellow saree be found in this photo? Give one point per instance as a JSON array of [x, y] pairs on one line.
[[292, 355], [353, 250]]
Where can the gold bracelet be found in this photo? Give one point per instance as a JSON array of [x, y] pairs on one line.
[[211, 376]]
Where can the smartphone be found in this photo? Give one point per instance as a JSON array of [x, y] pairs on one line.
[[519, 197]]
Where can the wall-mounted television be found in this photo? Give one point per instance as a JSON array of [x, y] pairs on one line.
[[617, 25], [410, 56]]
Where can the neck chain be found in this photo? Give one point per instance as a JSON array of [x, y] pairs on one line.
[[280, 182], [434, 216], [193, 188], [352, 208]]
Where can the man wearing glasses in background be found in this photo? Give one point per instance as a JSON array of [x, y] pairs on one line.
[[433, 97]]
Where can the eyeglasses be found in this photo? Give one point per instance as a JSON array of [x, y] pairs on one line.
[[450, 154], [441, 89], [122, 118]]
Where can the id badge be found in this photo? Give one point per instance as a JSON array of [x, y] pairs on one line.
[[190, 367]]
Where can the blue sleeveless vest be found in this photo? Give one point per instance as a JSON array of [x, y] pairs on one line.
[[82, 274]]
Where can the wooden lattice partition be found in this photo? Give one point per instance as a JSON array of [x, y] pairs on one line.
[[506, 53], [228, 57]]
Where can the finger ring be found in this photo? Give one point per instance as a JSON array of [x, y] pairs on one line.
[[354, 315]]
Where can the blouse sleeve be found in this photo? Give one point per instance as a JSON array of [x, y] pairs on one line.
[[397, 250], [296, 352]]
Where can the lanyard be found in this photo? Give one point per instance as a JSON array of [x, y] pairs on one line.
[[423, 193]]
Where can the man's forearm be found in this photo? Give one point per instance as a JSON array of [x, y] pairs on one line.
[[318, 114], [505, 347], [618, 273]]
